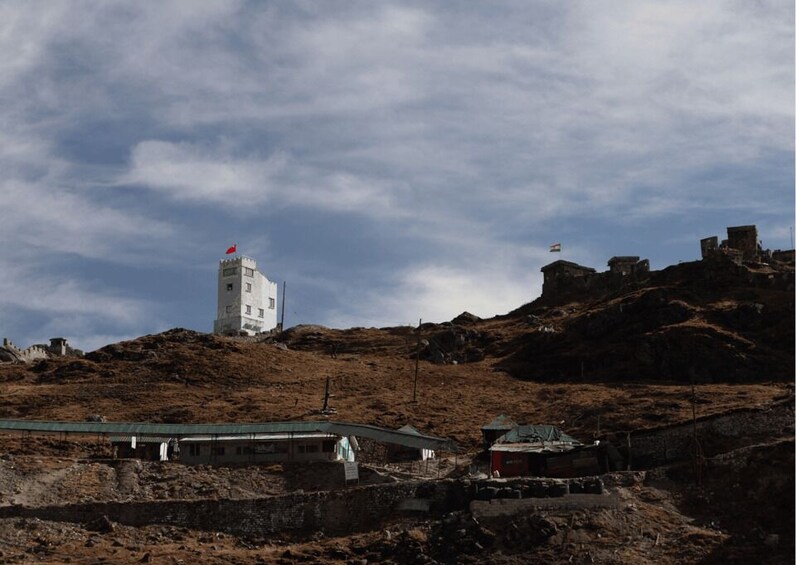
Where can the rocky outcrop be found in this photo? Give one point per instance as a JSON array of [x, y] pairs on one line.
[[693, 321]]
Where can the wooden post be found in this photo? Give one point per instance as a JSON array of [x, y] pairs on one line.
[[417, 361], [697, 469], [284, 291], [629, 452], [326, 395]]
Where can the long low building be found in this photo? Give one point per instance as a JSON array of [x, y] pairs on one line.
[[239, 443], [267, 448]]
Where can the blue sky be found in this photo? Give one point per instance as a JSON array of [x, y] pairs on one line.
[[389, 160]]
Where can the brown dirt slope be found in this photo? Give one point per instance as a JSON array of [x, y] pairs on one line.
[[625, 357]]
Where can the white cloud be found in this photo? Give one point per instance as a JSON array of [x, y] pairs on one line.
[[72, 308], [488, 282], [42, 218], [188, 172], [24, 286], [473, 131], [437, 293]]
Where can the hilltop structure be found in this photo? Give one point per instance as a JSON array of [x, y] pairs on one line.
[[741, 245], [59, 347], [246, 298], [565, 278]]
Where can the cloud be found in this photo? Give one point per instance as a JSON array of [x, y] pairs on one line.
[[69, 306], [487, 283], [210, 175], [46, 206], [574, 111], [439, 293], [449, 139], [187, 172]]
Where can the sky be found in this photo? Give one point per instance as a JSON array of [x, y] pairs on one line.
[[390, 161]]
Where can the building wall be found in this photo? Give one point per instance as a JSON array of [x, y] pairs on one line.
[[509, 464], [708, 246], [144, 451], [398, 453], [564, 276], [247, 451], [491, 436], [247, 300], [744, 239]]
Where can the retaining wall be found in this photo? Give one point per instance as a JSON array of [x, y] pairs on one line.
[[716, 434], [335, 513]]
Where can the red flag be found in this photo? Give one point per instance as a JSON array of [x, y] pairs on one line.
[[232, 249]]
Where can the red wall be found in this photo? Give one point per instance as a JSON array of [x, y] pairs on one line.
[[509, 464]]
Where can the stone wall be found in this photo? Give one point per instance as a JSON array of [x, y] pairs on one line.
[[32, 353], [335, 513], [356, 509], [716, 434]]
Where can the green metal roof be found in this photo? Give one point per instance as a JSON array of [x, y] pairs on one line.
[[502, 422], [127, 438], [409, 429], [181, 430], [536, 434]]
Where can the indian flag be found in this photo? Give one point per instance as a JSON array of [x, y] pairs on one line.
[[555, 248]]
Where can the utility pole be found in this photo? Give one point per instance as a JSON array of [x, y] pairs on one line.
[[326, 396], [697, 450], [417, 361], [284, 290]]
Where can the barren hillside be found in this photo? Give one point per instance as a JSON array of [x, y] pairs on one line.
[[693, 339], [627, 358]]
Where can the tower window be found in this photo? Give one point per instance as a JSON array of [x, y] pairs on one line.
[[248, 272], [229, 287], [248, 309], [229, 309], [262, 312], [271, 303], [248, 287], [229, 271]]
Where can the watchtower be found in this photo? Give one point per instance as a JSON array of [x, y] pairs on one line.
[[246, 298]]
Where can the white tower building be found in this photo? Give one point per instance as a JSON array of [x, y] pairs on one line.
[[246, 299]]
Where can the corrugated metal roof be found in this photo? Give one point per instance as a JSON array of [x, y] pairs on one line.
[[409, 429], [533, 447], [181, 430], [139, 439], [536, 434], [260, 437], [383, 435], [502, 422]]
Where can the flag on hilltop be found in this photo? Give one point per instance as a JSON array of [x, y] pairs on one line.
[[232, 249], [555, 248]]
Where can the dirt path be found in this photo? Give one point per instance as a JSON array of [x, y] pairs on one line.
[[36, 490]]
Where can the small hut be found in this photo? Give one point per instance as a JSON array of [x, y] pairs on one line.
[[496, 428], [398, 453]]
